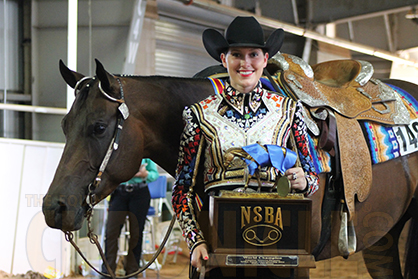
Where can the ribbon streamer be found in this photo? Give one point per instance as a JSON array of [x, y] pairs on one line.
[[279, 157]]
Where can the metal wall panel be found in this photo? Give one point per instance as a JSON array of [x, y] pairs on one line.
[[110, 27], [10, 65], [179, 48]]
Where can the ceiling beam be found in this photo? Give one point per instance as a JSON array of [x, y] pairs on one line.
[[326, 11], [372, 15], [299, 31]]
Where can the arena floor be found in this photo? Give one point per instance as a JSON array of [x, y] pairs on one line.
[[335, 268]]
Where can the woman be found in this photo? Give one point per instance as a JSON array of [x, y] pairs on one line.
[[243, 114]]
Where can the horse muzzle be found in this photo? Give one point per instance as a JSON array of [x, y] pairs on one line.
[[64, 212]]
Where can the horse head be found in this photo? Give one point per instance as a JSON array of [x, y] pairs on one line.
[[94, 159]]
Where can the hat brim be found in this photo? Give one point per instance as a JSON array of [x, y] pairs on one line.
[[215, 43], [274, 42]]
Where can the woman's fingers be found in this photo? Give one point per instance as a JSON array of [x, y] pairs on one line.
[[199, 253], [296, 177]]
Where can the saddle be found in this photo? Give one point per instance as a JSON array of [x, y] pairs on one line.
[[338, 94]]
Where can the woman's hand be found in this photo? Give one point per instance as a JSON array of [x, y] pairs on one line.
[[297, 178], [199, 253]]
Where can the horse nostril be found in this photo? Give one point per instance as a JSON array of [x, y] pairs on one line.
[[61, 207]]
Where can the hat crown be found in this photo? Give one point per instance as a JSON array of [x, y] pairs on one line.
[[242, 32], [245, 31]]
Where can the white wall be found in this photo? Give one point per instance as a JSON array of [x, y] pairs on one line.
[[26, 170]]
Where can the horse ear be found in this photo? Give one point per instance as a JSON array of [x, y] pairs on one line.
[[70, 77], [105, 78]]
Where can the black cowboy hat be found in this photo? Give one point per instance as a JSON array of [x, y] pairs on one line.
[[242, 32]]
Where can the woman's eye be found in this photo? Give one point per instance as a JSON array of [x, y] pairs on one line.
[[99, 128]]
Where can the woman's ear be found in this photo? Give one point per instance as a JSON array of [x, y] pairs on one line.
[[223, 59], [266, 59]]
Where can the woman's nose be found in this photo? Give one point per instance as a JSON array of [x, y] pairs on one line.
[[244, 61]]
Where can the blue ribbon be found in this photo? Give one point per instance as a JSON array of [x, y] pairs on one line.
[[279, 157], [260, 156]]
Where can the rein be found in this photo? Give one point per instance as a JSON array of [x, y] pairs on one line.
[[69, 236], [91, 196]]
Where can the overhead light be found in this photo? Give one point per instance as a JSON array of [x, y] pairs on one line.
[[412, 14]]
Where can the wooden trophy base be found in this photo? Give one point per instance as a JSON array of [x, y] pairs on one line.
[[259, 230]]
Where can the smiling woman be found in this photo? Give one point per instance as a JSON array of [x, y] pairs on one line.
[[244, 114]]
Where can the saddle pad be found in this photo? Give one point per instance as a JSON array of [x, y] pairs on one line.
[[389, 142], [321, 159]]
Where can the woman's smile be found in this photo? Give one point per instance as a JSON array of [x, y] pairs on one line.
[[245, 73]]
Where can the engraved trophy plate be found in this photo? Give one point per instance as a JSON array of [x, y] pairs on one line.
[[262, 260]]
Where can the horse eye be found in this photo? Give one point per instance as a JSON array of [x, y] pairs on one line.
[[99, 128]]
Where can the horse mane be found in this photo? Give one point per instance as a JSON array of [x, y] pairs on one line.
[[156, 77]]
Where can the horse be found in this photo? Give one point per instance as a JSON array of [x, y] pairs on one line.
[[152, 130]]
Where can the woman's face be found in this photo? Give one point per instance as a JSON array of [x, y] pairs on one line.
[[245, 66]]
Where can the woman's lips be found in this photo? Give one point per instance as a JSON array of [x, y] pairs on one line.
[[245, 73]]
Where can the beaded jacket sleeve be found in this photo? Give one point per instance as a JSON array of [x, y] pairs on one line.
[[301, 140], [191, 145], [183, 193]]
